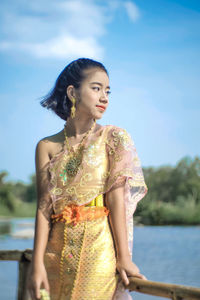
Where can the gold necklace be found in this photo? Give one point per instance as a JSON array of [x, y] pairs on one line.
[[75, 156]]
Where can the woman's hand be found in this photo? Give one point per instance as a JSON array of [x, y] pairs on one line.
[[37, 280], [127, 268]]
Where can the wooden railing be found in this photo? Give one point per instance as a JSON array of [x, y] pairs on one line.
[[171, 291]]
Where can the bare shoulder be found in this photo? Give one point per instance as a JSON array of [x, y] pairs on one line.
[[47, 147]]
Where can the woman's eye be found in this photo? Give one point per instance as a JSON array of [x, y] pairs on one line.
[[96, 88]]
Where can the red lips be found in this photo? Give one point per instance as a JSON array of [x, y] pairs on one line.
[[101, 106]]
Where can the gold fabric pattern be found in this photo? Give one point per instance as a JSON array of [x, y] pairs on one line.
[[88, 264]]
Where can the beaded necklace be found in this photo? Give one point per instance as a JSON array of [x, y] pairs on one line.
[[75, 156]]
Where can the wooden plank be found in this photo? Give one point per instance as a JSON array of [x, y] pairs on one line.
[[15, 255], [166, 290], [10, 255]]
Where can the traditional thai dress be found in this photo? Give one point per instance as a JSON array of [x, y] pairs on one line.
[[80, 257]]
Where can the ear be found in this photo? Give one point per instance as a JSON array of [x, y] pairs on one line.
[[70, 91]]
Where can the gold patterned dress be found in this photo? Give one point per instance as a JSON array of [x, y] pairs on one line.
[[80, 257]]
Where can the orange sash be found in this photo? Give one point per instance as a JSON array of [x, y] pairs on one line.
[[74, 214]]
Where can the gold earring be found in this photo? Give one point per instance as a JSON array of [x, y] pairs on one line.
[[73, 108]]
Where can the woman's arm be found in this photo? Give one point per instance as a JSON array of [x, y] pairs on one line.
[[38, 276], [116, 205]]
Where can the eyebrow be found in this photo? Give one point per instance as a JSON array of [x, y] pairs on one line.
[[108, 87]]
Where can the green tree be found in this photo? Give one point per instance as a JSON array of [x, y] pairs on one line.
[[7, 198], [19, 190], [31, 195], [174, 194]]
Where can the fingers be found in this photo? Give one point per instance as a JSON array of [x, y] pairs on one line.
[[124, 277], [140, 276], [34, 294], [34, 291], [37, 292], [46, 285], [34, 288]]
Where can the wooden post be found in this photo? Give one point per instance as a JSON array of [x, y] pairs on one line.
[[176, 297], [23, 267]]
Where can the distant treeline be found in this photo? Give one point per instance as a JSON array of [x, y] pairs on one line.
[[173, 197], [174, 194], [17, 199]]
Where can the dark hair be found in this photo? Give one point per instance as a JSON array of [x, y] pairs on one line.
[[73, 74]]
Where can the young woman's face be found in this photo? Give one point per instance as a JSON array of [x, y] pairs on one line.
[[93, 94]]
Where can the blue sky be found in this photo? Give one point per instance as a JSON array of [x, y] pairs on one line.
[[150, 48]]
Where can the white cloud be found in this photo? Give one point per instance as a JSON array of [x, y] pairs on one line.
[[59, 47], [132, 10], [53, 29], [58, 29]]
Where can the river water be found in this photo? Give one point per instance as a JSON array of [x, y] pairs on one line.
[[163, 253]]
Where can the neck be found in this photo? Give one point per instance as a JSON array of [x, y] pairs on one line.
[[76, 127]]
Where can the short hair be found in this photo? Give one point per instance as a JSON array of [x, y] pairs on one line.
[[73, 74]]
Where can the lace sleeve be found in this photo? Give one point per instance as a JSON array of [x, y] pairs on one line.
[[125, 170]]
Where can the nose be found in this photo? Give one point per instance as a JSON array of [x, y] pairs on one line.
[[104, 97]]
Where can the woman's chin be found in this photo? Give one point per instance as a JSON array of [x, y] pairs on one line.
[[98, 116]]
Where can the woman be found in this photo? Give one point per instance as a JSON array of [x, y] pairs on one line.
[[89, 181]]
